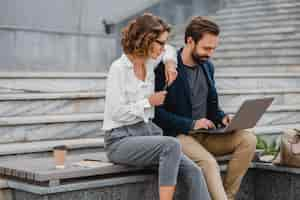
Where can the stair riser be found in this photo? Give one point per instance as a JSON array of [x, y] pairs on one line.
[[20, 133], [50, 154], [282, 47], [279, 118], [272, 20], [36, 132], [16, 85], [29, 108], [257, 53], [295, 60], [252, 21], [285, 40], [259, 32], [282, 38], [269, 119], [257, 69], [255, 8], [47, 107], [243, 3], [257, 83], [257, 14], [258, 25], [230, 100]]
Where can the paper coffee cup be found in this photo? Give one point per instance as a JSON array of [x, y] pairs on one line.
[[60, 153]]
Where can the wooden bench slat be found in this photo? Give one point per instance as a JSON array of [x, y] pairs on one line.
[[43, 169]]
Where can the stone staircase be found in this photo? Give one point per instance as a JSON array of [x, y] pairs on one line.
[[259, 56], [41, 110]]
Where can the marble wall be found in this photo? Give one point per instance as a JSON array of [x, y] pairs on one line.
[[69, 35]]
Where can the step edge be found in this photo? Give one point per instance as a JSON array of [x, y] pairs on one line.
[[50, 119], [31, 147]]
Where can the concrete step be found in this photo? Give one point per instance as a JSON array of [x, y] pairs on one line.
[[258, 21], [276, 37], [268, 52], [262, 45], [44, 148], [230, 98], [28, 104], [246, 23], [51, 82], [276, 40], [258, 80], [50, 127], [289, 28], [265, 12], [267, 60], [274, 130], [39, 149], [17, 105], [243, 4], [223, 69], [272, 133], [259, 25], [276, 115], [274, 6], [262, 31], [278, 18]]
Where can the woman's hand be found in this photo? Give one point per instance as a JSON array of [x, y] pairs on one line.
[[170, 71], [157, 98]]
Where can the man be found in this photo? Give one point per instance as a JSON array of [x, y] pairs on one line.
[[192, 103]]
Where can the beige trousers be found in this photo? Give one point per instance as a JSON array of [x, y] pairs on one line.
[[202, 149]]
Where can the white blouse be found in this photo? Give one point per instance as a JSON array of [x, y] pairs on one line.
[[126, 97]]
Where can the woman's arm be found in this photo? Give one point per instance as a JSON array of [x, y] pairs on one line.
[[120, 108], [169, 58]]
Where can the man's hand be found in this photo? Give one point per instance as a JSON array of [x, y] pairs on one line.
[[204, 123], [157, 98], [226, 120], [170, 71]]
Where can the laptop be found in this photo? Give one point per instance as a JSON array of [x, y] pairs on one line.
[[247, 116]]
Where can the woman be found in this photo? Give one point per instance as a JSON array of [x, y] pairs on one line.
[[131, 138]]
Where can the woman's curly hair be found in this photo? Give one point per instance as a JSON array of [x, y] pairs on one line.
[[138, 35]]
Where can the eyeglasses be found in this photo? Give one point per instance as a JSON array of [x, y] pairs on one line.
[[161, 43]]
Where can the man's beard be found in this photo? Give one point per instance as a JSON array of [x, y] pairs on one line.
[[198, 58]]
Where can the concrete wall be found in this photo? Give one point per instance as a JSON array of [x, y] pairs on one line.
[[176, 12], [68, 35]]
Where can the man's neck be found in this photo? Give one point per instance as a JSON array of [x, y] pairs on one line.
[[187, 58]]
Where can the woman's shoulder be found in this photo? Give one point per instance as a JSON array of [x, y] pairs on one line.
[[120, 64]]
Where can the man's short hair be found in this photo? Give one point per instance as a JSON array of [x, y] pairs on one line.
[[198, 26]]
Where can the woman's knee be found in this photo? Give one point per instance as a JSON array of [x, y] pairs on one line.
[[195, 170], [171, 145], [196, 174]]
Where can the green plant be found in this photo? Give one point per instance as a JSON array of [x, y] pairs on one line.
[[268, 149]]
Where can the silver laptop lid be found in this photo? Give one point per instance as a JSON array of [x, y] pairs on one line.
[[249, 113]]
